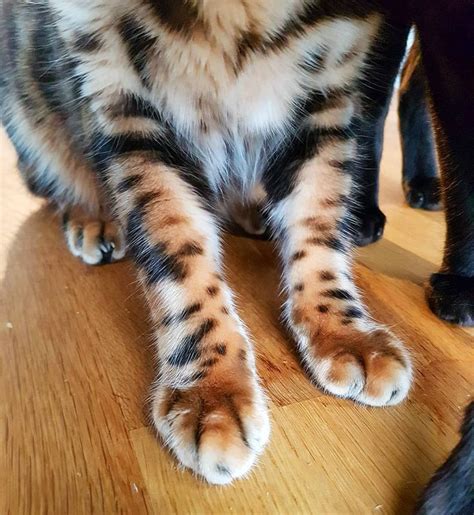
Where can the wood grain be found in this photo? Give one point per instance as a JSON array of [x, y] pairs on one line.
[[76, 365]]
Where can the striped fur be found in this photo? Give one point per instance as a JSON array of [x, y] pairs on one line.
[[150, 123]]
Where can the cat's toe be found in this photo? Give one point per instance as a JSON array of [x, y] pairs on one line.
[[371, 368], [451, 298], [371, 224], [423, 193], [95, 242], [217, 433]]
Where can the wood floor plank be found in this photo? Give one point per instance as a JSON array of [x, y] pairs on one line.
[[66, 438], [375, 461]]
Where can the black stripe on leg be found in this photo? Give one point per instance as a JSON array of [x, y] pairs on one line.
[[108, 147], [221, 349], [130, 105], [331, 242], [338, 293], [279, 176], [188, 349], [197, 376], [318, 100], [210, 362], [335, 244], [74, 79], [223, 470], [45, 63], [138, 43], [154, 260], [339, 133], [353, 312], [280, 173], [184, 315], [65, 220], [297, 256], [212, 291], [162, 147], [327, 275], [87, 43], [190, 249], [249, 42], [158, 265], [190, 310], [129, 183]]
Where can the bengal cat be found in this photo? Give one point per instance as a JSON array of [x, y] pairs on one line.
[[150, 123]]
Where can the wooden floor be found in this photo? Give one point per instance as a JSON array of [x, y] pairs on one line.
[[76, 365]]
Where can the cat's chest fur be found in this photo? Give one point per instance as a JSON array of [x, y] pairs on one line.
[[231, 78], [238, 97], [220, 82]]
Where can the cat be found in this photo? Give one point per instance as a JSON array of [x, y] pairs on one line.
[[152, 123]]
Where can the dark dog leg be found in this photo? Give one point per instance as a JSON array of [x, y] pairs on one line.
[[384, 64], [447, 44], [451, 490], [420, 182]]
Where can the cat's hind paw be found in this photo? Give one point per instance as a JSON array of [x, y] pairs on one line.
[[96, 242]]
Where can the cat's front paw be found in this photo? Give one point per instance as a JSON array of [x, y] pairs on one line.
[[372, 368], [451, 298], [96, 242], [216, 429]]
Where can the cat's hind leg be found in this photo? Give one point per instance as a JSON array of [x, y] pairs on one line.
[[43, 110], [53, 168]]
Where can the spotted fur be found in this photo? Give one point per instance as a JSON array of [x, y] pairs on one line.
[[152, 122]]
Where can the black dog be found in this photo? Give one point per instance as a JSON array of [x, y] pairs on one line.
[[451, 490], [420, 180], [437, 89], [436, 111]]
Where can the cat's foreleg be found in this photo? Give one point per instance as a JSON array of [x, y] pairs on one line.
[[207, 404], [343, 349]]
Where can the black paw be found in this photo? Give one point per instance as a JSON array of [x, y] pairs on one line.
[[423, 192], [371, 223], [451, 298]]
